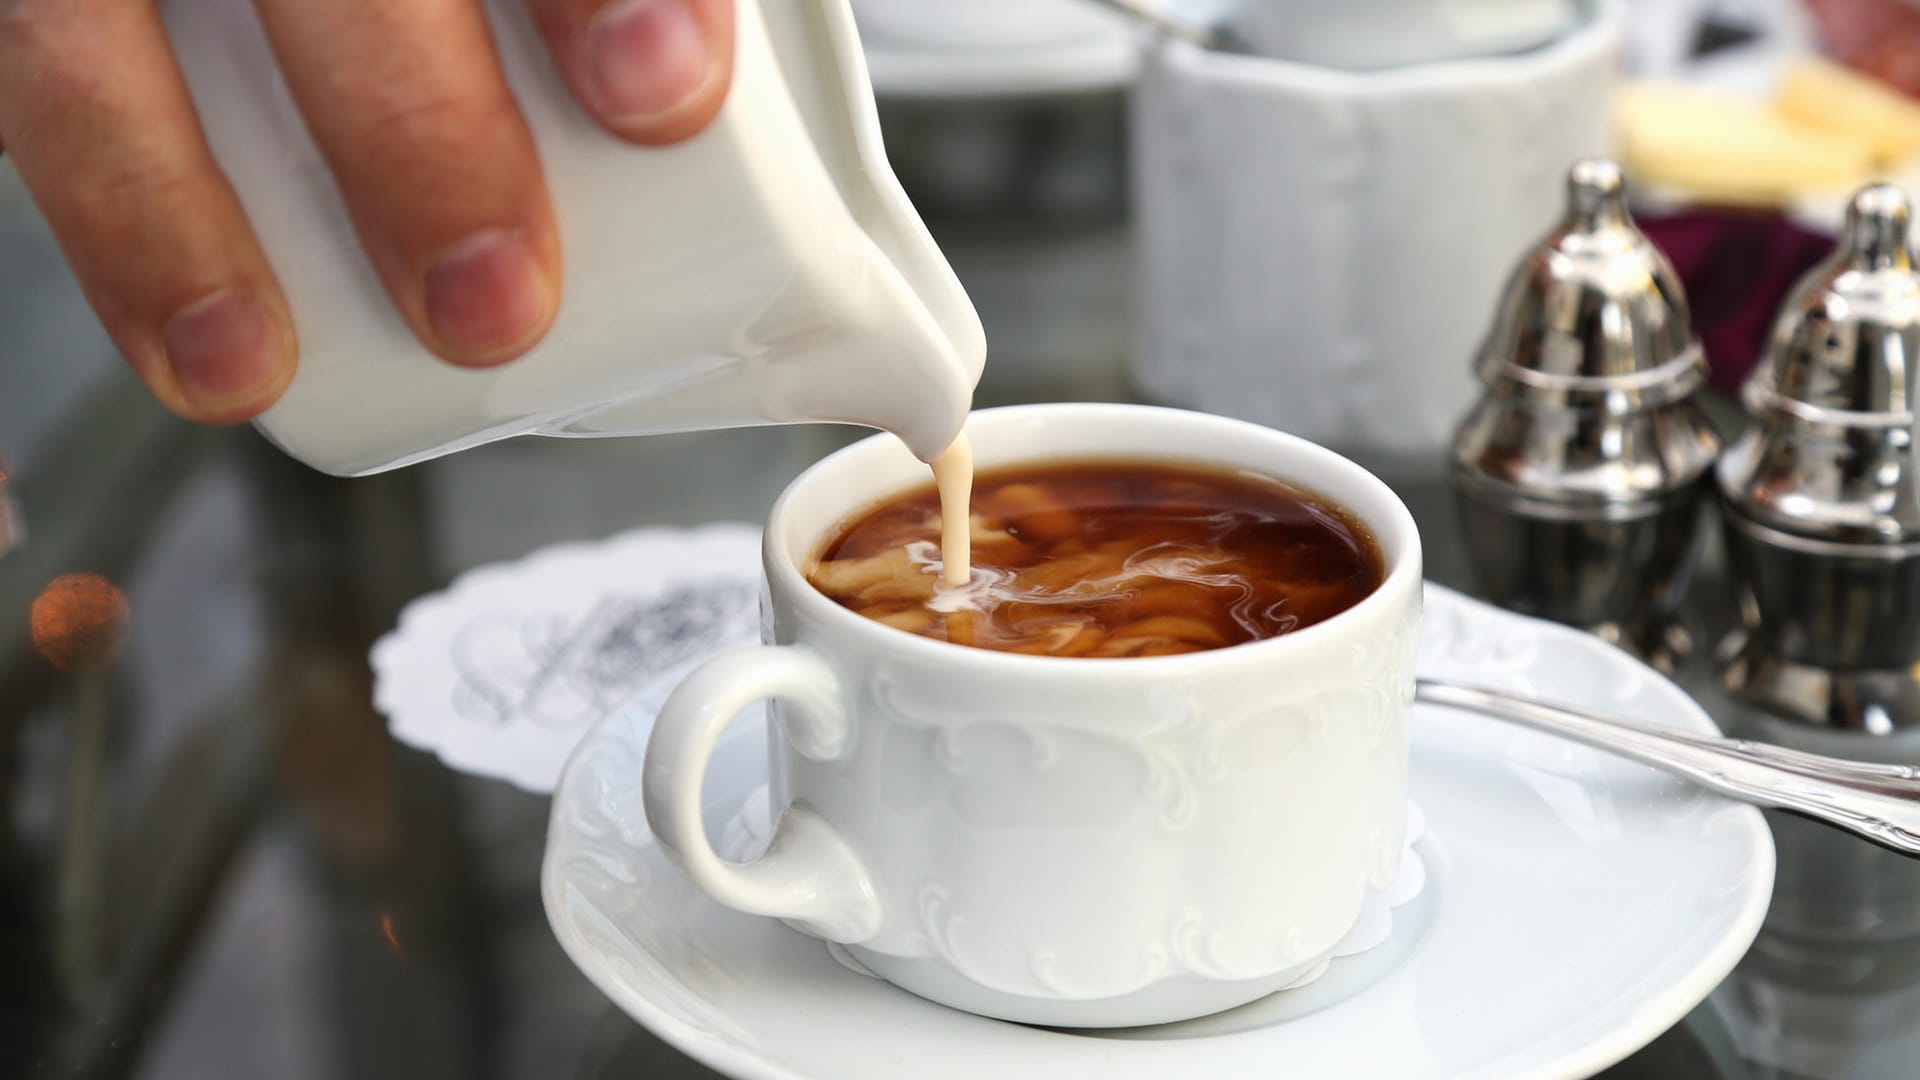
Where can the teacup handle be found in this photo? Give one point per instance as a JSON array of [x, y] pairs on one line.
[[808, 875]]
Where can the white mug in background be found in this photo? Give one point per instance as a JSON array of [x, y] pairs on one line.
[[1053, 840], [1368, 34], [1320, 249]]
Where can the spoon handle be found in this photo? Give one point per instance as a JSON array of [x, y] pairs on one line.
[[1169, 23], [1878, 802]]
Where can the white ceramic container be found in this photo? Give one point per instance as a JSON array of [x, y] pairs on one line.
[[1320, 249], [769, 270]]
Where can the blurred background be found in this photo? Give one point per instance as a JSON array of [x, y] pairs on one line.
[[214, 861]]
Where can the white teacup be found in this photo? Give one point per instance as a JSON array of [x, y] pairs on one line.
[[1062, 841]]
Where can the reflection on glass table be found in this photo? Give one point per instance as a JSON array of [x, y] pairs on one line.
[[215, 862]]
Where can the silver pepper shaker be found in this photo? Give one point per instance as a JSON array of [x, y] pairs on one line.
[[1582, 470], [1819, 499]]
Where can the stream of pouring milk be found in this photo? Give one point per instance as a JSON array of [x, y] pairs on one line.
[[953, 476]]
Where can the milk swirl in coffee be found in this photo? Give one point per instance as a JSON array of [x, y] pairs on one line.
[[1100, 559]]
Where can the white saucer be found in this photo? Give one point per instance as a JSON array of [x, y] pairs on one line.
[[1576, 907]]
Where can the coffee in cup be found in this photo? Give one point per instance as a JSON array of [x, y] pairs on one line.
[[1106, 558]]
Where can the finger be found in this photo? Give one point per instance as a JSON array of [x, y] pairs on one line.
[[650, 71], [113, 155], [408, 104]]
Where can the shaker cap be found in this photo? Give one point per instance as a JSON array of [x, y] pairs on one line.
[[1844, 343], [1589, 370], [1833, 456], [1594, 311]]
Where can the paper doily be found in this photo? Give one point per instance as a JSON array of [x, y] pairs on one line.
[[504, 671]]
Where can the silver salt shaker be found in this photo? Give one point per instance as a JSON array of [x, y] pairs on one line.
[[1819, 499], [1582, 470]]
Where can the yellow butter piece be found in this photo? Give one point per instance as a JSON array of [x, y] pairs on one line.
[[1724, 148], [1824, 95]]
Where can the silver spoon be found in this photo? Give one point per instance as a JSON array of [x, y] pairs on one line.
[[1177, 26], [1878, 802]]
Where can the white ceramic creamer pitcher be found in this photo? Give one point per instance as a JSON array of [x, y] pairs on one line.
[[769, 270]]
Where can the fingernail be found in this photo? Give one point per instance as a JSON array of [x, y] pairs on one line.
[[223, 349], [486, 293], [644, 59]]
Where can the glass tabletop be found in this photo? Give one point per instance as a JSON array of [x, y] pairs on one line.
[[214, 861]]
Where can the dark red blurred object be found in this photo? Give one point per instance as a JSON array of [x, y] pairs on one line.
[[1737, 267], [1880, 38]]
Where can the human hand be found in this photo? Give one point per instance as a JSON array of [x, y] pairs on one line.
[[407, 103]]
